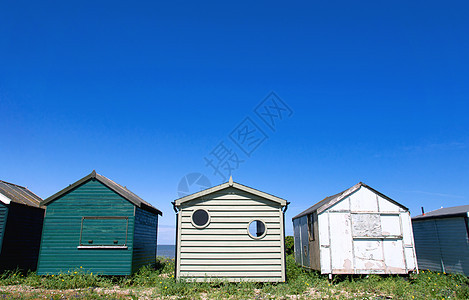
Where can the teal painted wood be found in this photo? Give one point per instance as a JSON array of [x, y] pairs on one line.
[[3, 221], [22, 237], [145, 237], [61, 233]]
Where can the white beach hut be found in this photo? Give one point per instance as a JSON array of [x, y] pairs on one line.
[[357, 231]]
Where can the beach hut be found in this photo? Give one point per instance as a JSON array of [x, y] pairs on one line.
[[442, 240], [230, 232], [20, 227], [98, 226], [357, 231]]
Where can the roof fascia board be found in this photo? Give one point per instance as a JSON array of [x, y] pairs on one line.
[[4, 199], [68, 188], [228, 184], [343, 196]]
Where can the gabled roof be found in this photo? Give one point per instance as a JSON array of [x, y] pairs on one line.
[[447, 212], [18, 194], [226, 185], [119, 189], [331, 200]]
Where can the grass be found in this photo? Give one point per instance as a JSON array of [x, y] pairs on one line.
[[158, 282]]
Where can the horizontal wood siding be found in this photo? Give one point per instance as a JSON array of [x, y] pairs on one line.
[[224, 248], [442, 245], [22, 237], [3, 222], [62, 226], [145, 237]]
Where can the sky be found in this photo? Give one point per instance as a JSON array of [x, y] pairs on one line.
[[301, 100]]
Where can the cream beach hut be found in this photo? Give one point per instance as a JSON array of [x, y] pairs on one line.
[[230, 232]]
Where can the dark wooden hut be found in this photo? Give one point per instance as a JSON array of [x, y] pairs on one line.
[[20, 227]]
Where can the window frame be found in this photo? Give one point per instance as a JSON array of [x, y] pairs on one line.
[[310, 224], [88, 246], [257, 237], [209, 219]]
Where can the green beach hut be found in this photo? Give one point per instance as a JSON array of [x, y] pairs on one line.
[[98, 226], [20, 227]]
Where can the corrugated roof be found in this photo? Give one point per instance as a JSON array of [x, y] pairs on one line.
[[119, 189], [445, 212], [331, 200], [19, 194]]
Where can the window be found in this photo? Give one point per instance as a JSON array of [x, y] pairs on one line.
[[311, 227], [103, 232], [200, 218], [257, 229], [376, 225]]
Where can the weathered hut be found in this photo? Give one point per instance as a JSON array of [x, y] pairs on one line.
[[230, 232], [357, 231], [20, 227], [442, 240], [98, 226]]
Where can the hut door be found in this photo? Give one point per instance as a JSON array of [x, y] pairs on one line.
[[377, 243]]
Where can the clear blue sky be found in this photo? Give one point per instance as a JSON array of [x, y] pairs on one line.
[[143, 92]]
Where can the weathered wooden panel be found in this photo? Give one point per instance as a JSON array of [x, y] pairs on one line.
[[366, 225], [368, 254], [343, 205], [62, 226], [363, 200], [324, 242], [394, 256], [297, 240], [305, 262], [391, 225], [385, 205], [341, 242]]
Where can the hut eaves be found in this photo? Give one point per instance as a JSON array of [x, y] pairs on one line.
[[447, 212], [119, 189], [331, 200], [228, 184]]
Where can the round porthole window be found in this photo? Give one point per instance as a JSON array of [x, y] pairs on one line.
[[200, 218], [257, 229]]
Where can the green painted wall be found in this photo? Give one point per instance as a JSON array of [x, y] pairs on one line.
[[146, 225], [62, 226]]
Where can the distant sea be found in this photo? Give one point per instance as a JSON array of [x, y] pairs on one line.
[[166, 250]]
